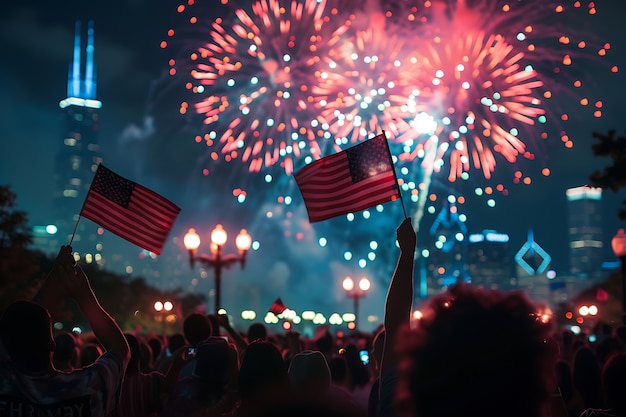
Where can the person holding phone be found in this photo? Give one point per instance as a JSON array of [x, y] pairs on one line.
[[211, 389], [196, 328]]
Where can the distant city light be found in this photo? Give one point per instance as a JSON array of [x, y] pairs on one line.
[[248, 315], [348, 317], [335, 319], [308, 315], [81, 102]]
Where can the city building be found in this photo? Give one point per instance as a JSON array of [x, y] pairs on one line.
[[489, 260], [585, 232], [444, 262]]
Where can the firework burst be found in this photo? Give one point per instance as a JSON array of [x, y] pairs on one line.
[[252, 81], [460, 86], [488, 71], [362, 88]]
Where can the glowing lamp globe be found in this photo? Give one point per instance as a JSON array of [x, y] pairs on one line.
[[348, 284], [243, 240], [191, 240], [218, 235], [364, 284]]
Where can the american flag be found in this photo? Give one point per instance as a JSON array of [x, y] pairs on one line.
[[277, 307], [129, 210], [352, 180]]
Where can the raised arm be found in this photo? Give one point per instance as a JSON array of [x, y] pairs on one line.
[[104, 327], [51, 294], [240, 342], [400, 293]]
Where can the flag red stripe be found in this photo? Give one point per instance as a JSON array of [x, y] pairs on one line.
[[160, 209], [362, 189], [146, 222], [130, 217], [123, 223], [374, 191], [334, 165]]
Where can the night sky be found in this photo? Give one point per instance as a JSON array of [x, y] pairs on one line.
[[36, 39]]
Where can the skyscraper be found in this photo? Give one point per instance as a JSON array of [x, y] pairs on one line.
[[79, 154], [585, 231], [489, 259], [75, 166]]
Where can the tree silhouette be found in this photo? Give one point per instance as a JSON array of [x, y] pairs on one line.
[[19, 268], [14, 231], [612, 177]]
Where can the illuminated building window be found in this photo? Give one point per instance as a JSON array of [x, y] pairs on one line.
[[70, 141], [75, 163]]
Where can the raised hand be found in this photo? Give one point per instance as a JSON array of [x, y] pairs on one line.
[[65, 257], [68, 278], [71, 276], [406, 236], [52, 291]]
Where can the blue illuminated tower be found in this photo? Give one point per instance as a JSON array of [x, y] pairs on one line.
[[79, 153]]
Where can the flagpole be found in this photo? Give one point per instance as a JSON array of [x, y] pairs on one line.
[[82, 207], [80, 214], [75, 228], [395, 177]]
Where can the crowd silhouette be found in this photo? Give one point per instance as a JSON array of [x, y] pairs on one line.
[[474, 352]]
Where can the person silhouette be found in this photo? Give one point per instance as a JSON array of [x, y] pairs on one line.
[[29, 383]]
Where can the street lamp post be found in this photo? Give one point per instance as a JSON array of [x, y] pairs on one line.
[[217, 260], [618, 243], [356, 292], [163, 308]]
